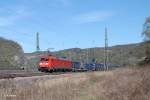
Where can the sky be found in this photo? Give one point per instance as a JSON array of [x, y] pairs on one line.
[[64, 24]]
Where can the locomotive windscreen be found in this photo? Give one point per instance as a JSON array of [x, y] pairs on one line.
[[44, 59]]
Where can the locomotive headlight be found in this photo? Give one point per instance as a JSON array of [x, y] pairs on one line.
[[46, 63], [41, 63]]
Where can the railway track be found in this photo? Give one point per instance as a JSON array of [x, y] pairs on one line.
[[6, 75], [14, 75], [10, 74]]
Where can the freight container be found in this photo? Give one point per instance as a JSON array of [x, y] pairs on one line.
[[76, 66]]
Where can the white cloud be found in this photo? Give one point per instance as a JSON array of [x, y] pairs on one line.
[[60, 3], [92, 17], [65, 2], [52, 3], [11, 16]]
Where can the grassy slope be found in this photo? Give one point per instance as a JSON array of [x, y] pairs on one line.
[[121, 84]]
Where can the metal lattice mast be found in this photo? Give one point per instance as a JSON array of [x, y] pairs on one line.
[[37, 42], [87, 56], [106, 51]]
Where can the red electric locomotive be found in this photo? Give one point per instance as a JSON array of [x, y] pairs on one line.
[[51, 63]]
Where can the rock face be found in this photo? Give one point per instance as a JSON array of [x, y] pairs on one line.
[[11, 55]]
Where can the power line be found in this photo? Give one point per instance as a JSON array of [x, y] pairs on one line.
[[17, 34], [15, 31]]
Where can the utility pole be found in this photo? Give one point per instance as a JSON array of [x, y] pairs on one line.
[[49, 51], [87, 56], [106, 51], [94, 50], [37, 42]]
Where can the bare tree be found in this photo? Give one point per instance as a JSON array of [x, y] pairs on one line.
[[146, 34], [146, 29]]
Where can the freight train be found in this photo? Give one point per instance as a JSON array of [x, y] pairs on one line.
[[51, 64]]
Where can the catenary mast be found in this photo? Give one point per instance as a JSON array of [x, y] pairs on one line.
[[37, 42], [106, 51]]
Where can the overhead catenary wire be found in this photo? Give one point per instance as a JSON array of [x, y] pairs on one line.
[[13, 32]]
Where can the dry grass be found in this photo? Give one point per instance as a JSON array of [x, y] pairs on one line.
[[121, 84]]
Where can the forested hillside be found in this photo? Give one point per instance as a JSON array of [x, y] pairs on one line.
[[121, 55]]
